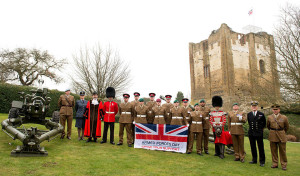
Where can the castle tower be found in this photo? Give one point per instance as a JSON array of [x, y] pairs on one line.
[[239, 67]]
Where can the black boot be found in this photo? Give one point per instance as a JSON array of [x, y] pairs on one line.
[[95, 139], [89, 140]]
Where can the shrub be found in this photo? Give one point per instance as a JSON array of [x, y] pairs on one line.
[[9, 92], [291, 138], [293, 130], [290, 108], [266, 133]]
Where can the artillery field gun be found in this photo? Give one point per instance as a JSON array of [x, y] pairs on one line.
[[32, 109]]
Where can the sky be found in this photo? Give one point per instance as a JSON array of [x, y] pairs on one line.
[[152, 36]]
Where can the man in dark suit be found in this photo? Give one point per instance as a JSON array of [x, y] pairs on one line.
[[257, 123]]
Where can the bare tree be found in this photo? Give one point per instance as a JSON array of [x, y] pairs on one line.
[[96, 69], [287, 46], [26, 65]]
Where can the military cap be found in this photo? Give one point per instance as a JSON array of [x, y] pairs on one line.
[[158, 100], [168, 96], [197, 104], [95, 93], [275, 106], [141, 100], [136, 94], [185, 99], [126, 95], [82, 93], [68, 89], [254, 103], [176, 101], [202, 101], [152, 94], [235, 104]]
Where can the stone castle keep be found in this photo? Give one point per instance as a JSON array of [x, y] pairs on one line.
[[239, 67]]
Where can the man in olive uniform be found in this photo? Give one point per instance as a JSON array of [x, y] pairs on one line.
[[151, 104], [168, 106], [134, 103], [126, 119], [177, 114], [186, 112], [278, 125], [66, 103], [186, 109], [257, 123], [196, 128], [236, 120], [206, 125], [159, 113], [141, 112]]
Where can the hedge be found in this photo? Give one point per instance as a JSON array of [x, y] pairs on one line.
[[9, 92]]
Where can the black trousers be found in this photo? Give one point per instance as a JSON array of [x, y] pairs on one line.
[[112, 129], [260, 143]]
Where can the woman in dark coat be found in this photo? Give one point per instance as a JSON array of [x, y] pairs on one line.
[[80, 120]]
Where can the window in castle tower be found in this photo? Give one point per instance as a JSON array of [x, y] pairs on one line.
[[262, 66], [206, 71]]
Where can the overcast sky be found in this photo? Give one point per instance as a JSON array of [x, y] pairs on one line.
[[153, 36]]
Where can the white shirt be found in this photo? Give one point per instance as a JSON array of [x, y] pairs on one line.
[[95, 102]]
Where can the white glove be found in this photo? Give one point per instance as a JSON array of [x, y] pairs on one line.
[[229, 132], [240, 118], [133, 122]]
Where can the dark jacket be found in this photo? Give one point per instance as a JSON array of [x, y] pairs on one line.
[[256, 124], [80, 108]]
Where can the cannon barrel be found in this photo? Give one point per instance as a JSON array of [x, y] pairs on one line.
[[11, 130], [46, 136]]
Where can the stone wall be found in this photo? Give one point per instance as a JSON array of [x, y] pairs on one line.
[[238, 67]]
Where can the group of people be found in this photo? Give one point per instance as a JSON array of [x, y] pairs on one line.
[[199, 118]]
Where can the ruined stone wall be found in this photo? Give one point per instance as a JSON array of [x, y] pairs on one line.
[[238, 67]]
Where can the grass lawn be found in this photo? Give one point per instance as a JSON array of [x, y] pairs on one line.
[[72, 157]]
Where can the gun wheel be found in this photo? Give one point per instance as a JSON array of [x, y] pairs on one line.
[[13, 113]]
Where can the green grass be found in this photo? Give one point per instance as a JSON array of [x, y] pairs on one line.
[[80, 158]]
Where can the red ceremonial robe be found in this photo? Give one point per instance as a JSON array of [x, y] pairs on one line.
[[87, 129]]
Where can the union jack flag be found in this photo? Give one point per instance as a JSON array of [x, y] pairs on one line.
[[161, 137]]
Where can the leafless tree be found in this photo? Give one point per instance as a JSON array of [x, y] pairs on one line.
[[287, 46], [96, 69], [26, 65]]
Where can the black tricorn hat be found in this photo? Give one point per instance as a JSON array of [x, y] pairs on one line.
[[217, 101], [110, 92]]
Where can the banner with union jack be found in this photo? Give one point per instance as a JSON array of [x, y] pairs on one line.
[[161, 137]]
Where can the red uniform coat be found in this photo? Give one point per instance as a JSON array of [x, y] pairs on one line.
[[110, 110], [87, 129], [219, 118]]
